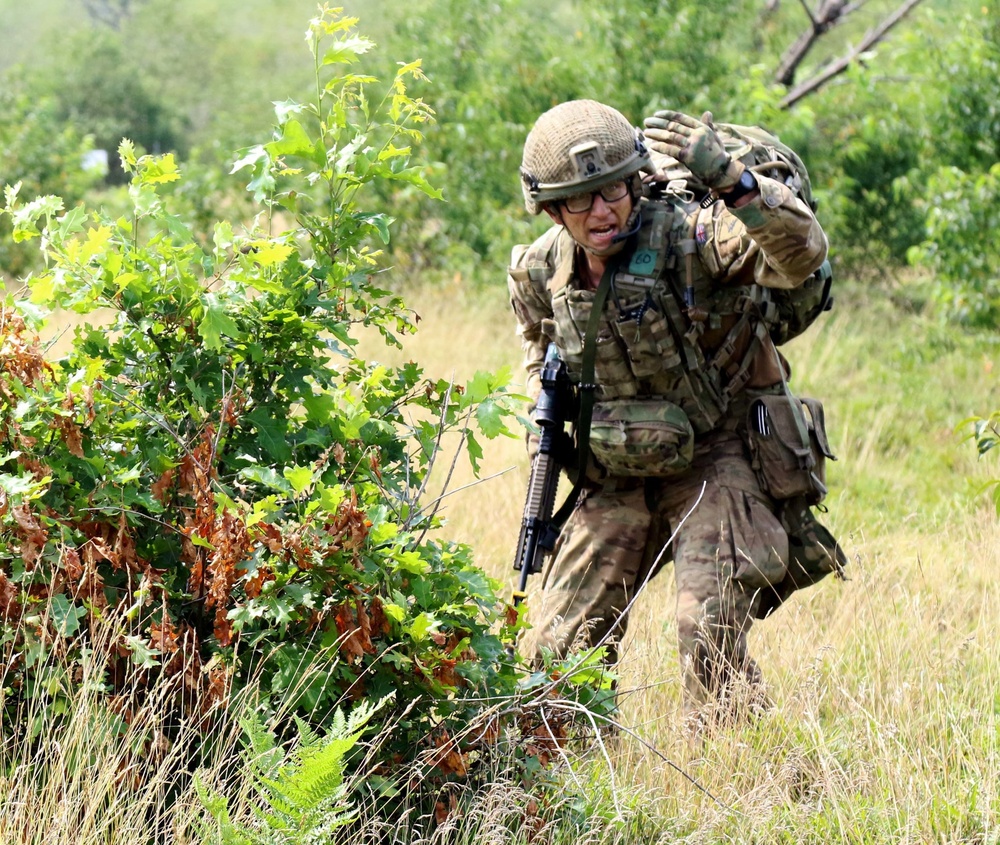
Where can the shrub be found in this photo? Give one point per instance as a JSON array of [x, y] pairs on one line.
[[217, 465], [959, 246]]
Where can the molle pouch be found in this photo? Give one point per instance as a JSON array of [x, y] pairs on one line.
[[611, 370], [564, 332], [570, 316], [641, 437], [645, 334], [789, 446]]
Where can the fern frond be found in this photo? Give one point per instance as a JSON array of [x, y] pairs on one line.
[[265, 756], [223, 831], [307, 736], [303, 797]]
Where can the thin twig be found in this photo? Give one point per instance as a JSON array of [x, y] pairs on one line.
[[222, 406], [454, 463], [130, 512], [437, 441], [476, 483], [809, 13], [566, 760], [591, 717], [162, 423]]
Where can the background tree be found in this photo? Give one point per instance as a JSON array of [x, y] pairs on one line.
[[111, 13]]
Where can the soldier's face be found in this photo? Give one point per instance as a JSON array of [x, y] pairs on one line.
[[596, 228]]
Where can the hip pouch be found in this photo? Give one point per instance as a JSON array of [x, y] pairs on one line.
[[789, 446], [641, 437]]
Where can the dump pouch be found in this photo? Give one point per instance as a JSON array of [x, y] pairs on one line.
[[789, 446], [641, 437]]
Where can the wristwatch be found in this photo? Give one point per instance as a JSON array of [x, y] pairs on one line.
[[747, 183]]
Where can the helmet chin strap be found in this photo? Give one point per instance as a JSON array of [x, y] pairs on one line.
[[614, 249], [634, 222]]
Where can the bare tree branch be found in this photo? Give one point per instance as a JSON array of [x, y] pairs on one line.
[[808, 12], [828, 15], [872, 37], [110, 12]]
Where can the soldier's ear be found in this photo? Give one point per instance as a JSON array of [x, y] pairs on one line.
[[554, 210]]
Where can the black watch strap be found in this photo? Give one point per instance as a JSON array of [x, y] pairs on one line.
[[747, 184]]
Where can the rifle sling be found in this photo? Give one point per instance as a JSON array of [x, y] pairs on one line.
[[587, 390]]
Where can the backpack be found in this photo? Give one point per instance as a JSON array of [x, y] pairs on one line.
[[762, 152], [787, 313]]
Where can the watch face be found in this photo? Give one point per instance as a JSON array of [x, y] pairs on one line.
[[747, 182]]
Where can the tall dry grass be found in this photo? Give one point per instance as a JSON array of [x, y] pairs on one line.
[[884, 726], [80, 766]]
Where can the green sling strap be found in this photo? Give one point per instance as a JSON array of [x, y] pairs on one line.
[[587, 389]]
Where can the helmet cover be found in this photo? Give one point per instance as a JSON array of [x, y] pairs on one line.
[[578, 146]]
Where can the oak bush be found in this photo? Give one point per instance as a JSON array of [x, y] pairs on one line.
[[213, 468]]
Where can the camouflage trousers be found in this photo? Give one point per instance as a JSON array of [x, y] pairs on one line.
[[736, 557]]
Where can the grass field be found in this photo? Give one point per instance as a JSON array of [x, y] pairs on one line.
[[885, 686]]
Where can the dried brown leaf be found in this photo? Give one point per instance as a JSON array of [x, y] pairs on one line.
[[10, 606], [161, 487]]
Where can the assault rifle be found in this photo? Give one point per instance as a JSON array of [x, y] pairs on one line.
[[556, 405]]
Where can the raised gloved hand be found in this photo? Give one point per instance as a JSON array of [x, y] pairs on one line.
[[695, 144]]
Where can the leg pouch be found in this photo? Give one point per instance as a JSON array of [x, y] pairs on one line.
[[789, 446], [760, 544], [813, 553]]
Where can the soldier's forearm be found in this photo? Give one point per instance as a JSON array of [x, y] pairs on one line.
[[791, 242]]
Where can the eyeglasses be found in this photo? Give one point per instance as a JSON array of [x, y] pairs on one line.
[[612, 192]]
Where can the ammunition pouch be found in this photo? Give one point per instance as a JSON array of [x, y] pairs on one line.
[[789, 446]]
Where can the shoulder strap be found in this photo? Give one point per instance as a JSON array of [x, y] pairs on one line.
[[587, 389]]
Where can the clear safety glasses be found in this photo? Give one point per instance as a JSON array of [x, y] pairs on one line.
[[612, 192]]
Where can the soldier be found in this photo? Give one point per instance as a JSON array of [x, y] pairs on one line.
[[681, 270]]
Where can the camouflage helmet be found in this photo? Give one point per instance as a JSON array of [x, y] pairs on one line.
[[578, 146]]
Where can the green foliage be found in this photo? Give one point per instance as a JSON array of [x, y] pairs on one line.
[[221, 65], [103, 89], [43, 153], [970, 59], [300, 794], [216, 462], [862, 136], [985, 433], [486, 108], [888, 138], [958, 187], [658, 57], [871, 137], [962, 215], [871, 217], [490, 96]]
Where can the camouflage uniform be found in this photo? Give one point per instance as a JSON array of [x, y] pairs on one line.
[[737, 553]]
